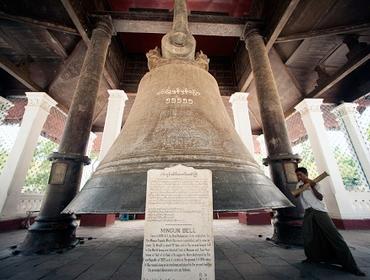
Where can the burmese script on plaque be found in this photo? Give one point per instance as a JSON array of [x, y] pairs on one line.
[[178, 233]]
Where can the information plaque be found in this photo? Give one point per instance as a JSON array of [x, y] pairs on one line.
[[178, 233]]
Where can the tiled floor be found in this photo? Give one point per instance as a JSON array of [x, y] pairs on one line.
[[116, 253]]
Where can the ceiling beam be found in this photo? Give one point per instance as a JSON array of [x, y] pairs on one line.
[[282, 19], [345, 29], [76, 19], [40, 24], [276, 29], [162, 27], [75, 14], [18, 73], [54, 44], [344, 71]]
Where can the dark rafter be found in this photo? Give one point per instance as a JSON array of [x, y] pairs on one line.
[[18, 73], [344, 71], [277, 28], [75, 15], [347, 29], [54, 44], [40, 24]]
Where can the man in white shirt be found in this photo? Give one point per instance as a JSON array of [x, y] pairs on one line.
[[322, 241]]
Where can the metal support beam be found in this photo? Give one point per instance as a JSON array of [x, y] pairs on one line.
[[38, 23], [346, 29], [19, 74]]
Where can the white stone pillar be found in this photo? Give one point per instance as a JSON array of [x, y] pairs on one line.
[[113, 120], [239, 101], [5, 105], [346, 112], [20, 157], [88, 169], [261, 141], [333, 189], [263, 151]]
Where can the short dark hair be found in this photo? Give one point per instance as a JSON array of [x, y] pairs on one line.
[[302, 169]]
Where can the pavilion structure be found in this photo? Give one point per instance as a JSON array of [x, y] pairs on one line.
[[82, 60]]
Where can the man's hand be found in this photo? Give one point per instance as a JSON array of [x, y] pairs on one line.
[[309, 181], [301, 189]]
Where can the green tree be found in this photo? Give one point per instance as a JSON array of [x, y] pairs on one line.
[[307, 159], [38, 173], [3, 158], [348, 168]]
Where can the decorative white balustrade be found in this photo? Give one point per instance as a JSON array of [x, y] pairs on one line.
[[361, 204], [30, 201]]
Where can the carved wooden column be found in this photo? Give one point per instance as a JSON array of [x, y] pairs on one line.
[[53, 230], [282, 162]]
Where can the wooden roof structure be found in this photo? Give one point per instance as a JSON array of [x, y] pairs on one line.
[[318, 49]]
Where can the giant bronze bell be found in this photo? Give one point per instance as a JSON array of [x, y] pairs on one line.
[[177, 118]]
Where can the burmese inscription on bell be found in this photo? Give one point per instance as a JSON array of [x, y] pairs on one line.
[[178, 236]]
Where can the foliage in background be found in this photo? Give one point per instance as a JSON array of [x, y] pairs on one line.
[[303, 149], [349, 170], [8, 133], [38, 173], [3, 157]]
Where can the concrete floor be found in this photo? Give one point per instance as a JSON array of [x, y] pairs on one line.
[[116, 253]]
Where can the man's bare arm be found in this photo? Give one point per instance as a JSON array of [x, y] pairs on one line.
[[316, 193]]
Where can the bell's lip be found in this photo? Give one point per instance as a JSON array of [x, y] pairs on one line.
[[68, 211], [233, 191]]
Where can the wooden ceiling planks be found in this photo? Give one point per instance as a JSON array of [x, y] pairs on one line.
[[314, 37]]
